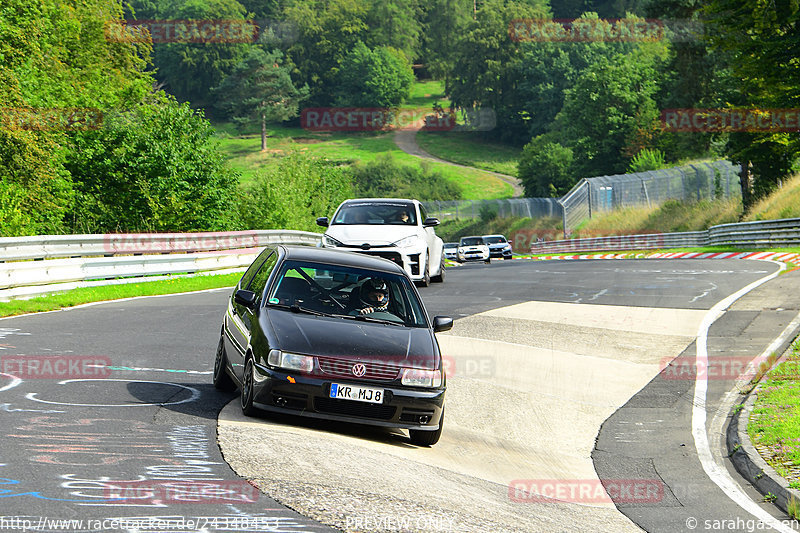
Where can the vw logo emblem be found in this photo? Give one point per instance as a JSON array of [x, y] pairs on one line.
[[359, 370]]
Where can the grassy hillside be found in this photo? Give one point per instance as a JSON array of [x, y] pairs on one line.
[[783, 203], [471, 149], [244, 153]]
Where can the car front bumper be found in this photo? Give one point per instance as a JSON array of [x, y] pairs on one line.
[[473, 256], [409, 259], [500, 252], [308, 396]]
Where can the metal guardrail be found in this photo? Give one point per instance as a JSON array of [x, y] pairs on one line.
[[56, 246], [624, 242], [41, 264], [761, 234]]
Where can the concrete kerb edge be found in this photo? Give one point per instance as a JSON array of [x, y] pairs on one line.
[[745, 457], [621, 254]]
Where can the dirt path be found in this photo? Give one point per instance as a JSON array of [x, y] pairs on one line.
[[406, 140]]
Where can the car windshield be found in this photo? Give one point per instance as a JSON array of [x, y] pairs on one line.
[[494, 240], [376, 213], [451, 245], [471, 241], [345, 292]]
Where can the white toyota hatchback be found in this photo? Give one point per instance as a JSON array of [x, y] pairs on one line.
[[395, 229]]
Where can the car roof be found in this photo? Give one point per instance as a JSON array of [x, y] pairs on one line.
[[472, 237], [388, 200], [498, 235], [340, 258]]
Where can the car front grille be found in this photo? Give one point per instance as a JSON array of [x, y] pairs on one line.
[[351, 408], [344, 368], [391, 256]]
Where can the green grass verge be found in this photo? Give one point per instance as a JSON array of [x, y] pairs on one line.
[[424, 94], [774, 425], [471, 149], [84, 295]]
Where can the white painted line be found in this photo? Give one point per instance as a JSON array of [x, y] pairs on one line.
[[90, 304], [715, 471], [14, 382], [195, 394]]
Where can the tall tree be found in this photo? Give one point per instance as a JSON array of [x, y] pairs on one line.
[[326, 32], [260, 88], [487, 65], [395, 24], [609, 111], [373, 78], [763, 42], [190, 70], [444, 21]]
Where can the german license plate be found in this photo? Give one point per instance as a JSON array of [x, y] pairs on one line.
[[359, 394]]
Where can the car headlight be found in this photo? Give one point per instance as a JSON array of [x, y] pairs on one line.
[[290, 361], [415, 377], [411, 240], [327, 240]]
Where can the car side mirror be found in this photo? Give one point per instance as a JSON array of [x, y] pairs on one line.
[[442, 323], [430, 222], [245, 298], [322, 221]]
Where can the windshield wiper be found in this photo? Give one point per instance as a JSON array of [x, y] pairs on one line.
[[294, 308], [378, 320]]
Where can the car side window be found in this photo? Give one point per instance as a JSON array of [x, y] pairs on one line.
[[422, 213], [251, 271], [259, 281]]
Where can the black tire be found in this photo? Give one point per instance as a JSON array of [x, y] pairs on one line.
[[222, 381], [488, 261], [426, 438], [440, 277], [246, 399]]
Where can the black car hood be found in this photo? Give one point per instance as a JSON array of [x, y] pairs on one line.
[[351, 339]]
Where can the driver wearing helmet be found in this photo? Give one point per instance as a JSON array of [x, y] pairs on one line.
[[373, 296]]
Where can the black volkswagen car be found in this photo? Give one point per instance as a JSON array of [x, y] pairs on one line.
[[334, 335]]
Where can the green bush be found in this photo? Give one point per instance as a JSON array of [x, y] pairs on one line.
[[545, 168], [153, 168], [293, 193], [647, 159], [384, 177]]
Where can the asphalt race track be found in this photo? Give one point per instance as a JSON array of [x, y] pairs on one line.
[[556, 380]]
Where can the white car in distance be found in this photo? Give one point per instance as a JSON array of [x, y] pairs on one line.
[[473, 249], [396, 229]]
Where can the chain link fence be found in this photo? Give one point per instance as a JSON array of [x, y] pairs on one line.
[[697, 181], [512, 207]]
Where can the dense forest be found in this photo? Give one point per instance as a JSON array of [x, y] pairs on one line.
[[106, 103]]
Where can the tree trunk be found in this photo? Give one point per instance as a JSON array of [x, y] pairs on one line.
[[746, 181], [263, 132]]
